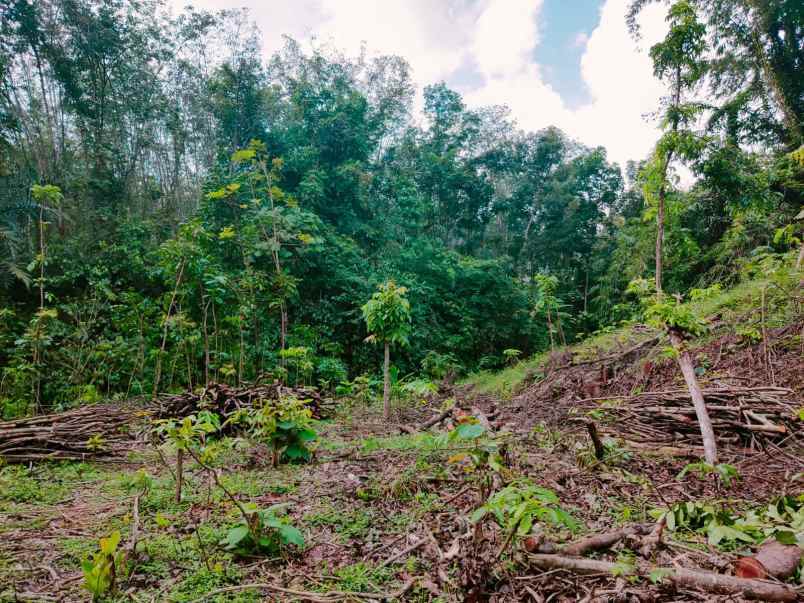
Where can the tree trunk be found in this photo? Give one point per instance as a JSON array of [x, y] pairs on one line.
[[386, 387], [688, 370], [179, 473], [800, 259], [660, 237], [758, 28]]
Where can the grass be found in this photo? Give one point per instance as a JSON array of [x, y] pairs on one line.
[[502, 383], [349, 524]]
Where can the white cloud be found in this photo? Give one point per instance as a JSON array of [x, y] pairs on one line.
[[620, 82], [580, 40], [504, 36], [496, 37]]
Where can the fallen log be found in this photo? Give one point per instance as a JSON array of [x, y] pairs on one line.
[[436, 419], [702, 580]]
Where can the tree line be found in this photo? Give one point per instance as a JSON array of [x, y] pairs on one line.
[[175, 209]]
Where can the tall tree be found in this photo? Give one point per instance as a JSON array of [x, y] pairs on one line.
[[676, 59]]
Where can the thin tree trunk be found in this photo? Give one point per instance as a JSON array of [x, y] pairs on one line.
[[800, 259], [688, 370], [550, 329], [386, 388], [158, 369], [206, 343], [663, 193], [41, 255], [660, 236], [179, 472]]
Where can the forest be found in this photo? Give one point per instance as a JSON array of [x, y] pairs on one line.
[[277, 328]]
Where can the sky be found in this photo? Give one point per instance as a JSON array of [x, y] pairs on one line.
[[565, 63]]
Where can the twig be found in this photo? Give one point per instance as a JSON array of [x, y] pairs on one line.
[[403, 552], [707, 581]]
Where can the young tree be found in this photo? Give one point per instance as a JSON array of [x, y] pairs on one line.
[[680, 323], [677, 58], [387, 316]]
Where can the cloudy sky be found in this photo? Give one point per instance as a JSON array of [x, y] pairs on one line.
[[569, 63]]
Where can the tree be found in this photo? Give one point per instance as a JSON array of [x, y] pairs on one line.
[[677, 57], [387, 316], [680, 322]]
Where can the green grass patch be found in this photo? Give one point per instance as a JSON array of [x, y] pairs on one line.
[[349, 524], [503, 383]]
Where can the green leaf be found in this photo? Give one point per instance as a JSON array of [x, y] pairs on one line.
[[307, 435], [470, 431], [658, 574], [236, 535], [785, 537], [291, 535], [297, 451]]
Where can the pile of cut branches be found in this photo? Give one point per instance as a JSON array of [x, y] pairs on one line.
[[226, 399], [110, 428], [95, 430], [740, 415]]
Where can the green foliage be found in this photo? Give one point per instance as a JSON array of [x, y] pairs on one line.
[[102, 571], [521, 505], [263, 532], [511, 355], [438, 365], [669, 312], [286, 425], [482, 453], [672, 314], [191, 431], [387, 315], [782, 519], [506, 239]]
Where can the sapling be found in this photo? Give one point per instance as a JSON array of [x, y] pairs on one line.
[[680, 322], [387, 316], [190, 431]]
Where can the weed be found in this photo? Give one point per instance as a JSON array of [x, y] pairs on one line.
[[362, 577], [101, 571], [263, 532], [723, 471], [518, 506]]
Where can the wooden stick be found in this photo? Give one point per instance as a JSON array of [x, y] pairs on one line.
[[403, 552], [600, 450], [597, 541], [706, 581]]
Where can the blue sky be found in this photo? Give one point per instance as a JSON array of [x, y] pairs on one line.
[[565, 26], [567, 63]]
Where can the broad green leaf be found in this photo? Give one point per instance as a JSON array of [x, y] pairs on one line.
[[470, 431], [236, 535], [291, 535]]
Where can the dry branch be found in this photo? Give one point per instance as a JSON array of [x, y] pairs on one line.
[[706, 581], [738, 414], [107, 430]]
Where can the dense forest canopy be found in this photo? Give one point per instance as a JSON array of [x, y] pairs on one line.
[[176, 209]]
